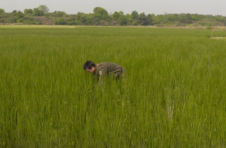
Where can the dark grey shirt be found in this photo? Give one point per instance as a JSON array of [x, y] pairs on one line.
[[108, 68]]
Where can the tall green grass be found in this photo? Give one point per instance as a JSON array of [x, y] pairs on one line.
[[173, 95]]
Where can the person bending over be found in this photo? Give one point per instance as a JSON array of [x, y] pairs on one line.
[[105, 69]]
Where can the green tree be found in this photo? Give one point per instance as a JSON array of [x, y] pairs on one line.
[[19, 15], [196, 17], [142, 19], [100, 13], [28, 11], [81, 18], [129, 20], [11, 19], [37, 12], [14, 11], [171, 17], [60, 21], [149, 19], [43, 8], [89, 19], [2, 11], [122, 20], [219, 18], [60, 13], [71, 20], [187, 18], [121, 13], [116, 15], [134, 15]]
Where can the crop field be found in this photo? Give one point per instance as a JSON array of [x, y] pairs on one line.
[[174, 93]]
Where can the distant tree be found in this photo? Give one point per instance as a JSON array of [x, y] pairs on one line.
[[19, 15], [122, 20], [13, 15], [43, 8], [116, 15], [219, 18], [11, 19], [60, 13], [100, 13], [28, 11], [14, 11], [128, 16], [171, 17], [149, 19], [186, 18], [121, 13], [189, 18], [37, 12], [89, 18], [134, 15], [71, 20], [196, 17], [56, 14], [134, 23], [81, 18], [60, 21], [129, 20], [2, 11], [142, 19], [158, 19]]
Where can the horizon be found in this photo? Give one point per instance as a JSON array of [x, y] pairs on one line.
[[148, 7]]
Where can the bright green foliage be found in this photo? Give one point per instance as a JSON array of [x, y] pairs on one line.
[[100, 16], [121, 13], [60, 13], [149, 19], [37, 12], [186, 19], [2, 11], [14, 12], [116, 15], [134, 23], [60, 21], [43, 8], [122, 20], [81, 18], [143, 20], [12, 19], [134, 15], [129, 19], [28, 11], [173, 95], [19, 15], [100, 13]]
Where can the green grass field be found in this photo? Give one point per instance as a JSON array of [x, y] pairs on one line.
[[173, 96]]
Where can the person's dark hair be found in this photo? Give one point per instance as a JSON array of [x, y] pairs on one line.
[[89, 65]]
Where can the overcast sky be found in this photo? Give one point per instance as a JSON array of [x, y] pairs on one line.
[[214, 7]]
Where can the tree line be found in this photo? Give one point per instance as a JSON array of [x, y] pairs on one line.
[[100, 16]]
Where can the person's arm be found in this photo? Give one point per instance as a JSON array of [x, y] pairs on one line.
[[102, 74]]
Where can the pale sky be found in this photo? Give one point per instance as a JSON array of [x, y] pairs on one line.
[[213, 7]]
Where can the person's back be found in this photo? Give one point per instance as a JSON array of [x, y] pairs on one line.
[[101, 70], [110, 69], [104, 69]]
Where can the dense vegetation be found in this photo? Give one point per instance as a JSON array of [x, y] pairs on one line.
[[100, 16], [173, 96]]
